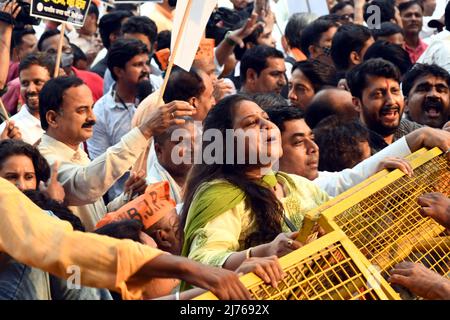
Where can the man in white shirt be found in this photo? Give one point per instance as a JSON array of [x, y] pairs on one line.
[[438, 52], [34, 71], [301, 154], [67, 116]]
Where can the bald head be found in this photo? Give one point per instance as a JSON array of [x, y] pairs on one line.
[[206, 65], [336, 97], [329, 102]]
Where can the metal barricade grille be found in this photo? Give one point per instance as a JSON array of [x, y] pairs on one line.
[[388, 228], [371, 227], [326, 275], [330, 268]]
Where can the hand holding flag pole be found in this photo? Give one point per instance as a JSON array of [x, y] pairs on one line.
[[175, 50]]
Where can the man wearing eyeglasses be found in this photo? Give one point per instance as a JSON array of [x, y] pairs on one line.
[[48, 43]]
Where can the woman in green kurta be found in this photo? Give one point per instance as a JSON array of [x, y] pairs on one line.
[[234, 211]]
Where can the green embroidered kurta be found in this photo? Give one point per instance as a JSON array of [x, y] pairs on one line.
[[213, 243]]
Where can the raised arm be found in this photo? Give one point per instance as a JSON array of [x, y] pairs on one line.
[[8, 11], [86, 184], [32, 237], [334, 183]]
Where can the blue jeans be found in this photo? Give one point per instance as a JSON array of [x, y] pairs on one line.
[[21, 282]]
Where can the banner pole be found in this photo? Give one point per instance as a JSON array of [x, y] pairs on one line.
[[60, 45], [309, 6], [175, 49], [143, 157]]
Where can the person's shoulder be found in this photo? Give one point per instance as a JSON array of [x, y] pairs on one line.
[[217, 187], [305, 187], [410, 125], [92, 80], [100, 106], [298, 181], [14, 83], [48, 149], [86, 74]]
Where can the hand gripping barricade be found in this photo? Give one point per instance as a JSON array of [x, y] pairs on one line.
[[383, 219], [370, 228]]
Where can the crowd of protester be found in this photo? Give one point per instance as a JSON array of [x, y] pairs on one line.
[[334, 100]]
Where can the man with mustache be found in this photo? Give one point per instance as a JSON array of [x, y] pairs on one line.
[[143, 29], [411, 13], [375, 86], [67, 116], [129, 64], [301, 153], [426, 90], [34, 71], [263, 70]]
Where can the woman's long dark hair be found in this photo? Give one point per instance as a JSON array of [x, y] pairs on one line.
[[11, 147], [260, 200]]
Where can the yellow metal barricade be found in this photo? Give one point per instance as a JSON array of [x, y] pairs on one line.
[[384, 222], [370, 228], [330, 268]]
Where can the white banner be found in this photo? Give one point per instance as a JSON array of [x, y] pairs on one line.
[[193, 32]]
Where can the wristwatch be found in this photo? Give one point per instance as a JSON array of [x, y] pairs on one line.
[[230, 41]]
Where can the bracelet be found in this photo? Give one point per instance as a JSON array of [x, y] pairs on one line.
[[230, 41], [248, 253]]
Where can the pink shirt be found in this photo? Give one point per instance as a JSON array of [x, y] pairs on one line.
[[92, 80], [415, 53]]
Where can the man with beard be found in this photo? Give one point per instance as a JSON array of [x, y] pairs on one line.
[[375, 86], [263, 70], [139, 28], [128, 61], [34, 71], [426, 88], [67, 116]]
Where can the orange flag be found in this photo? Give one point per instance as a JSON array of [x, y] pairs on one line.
[[148, 208]]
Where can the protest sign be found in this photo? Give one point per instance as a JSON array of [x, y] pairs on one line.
[[65, 11], [206, 49], [148, 208], [190, 25], [133, 1]]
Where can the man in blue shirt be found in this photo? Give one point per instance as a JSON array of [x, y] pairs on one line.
[[128, 62]]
